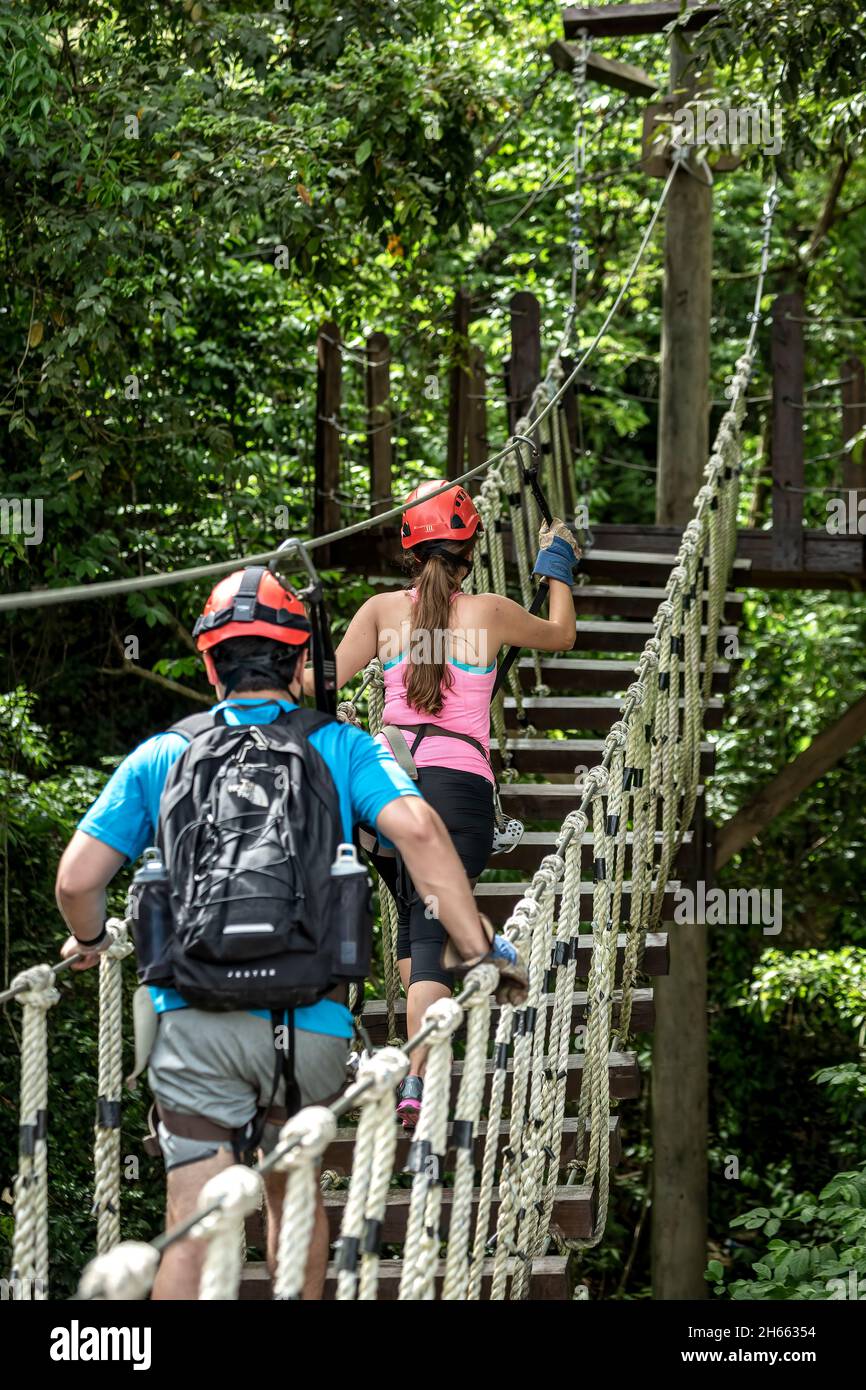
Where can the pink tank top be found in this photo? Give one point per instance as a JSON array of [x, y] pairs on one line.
[[465, 710]]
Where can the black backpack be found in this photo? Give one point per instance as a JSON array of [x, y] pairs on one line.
[[249, 824]]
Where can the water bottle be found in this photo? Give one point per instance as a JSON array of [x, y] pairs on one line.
[[352, 916], [149, 908]]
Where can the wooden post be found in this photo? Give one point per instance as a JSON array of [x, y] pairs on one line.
[[684, 405], [477, 446], [326, 455], [680, 1084], [524, 364], [458, 386], [378, 391], [786, 354], [853, 420]]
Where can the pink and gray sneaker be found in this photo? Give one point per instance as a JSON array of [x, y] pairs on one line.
[[409, 1094]]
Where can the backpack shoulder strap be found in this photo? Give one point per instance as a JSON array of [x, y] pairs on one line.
[[308, 720], [192, 725]]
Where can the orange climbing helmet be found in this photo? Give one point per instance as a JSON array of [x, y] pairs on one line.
[[252, 603], [449, 517]]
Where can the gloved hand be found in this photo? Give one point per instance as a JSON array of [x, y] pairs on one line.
[[513, 984], [559, 552], [503, 949]]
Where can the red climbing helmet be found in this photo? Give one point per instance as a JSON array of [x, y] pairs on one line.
[[449, 517], [252, 603]]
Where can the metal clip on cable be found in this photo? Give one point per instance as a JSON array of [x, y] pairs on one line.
[[324, 661]]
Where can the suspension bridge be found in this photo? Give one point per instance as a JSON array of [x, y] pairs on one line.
[[602, 753]]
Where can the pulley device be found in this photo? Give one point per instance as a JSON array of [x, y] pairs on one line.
[[322, 647]]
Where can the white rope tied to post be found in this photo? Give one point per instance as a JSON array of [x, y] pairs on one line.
[[315, 1127], [30, 1242], [122, 1275], [372, 1157], [106, 1149], [238, 1190], [427, 1155], [536, 914], [392, 1064], [467, 1114]]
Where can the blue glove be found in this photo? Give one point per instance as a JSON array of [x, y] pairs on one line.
[[503, 949], [559, 553]]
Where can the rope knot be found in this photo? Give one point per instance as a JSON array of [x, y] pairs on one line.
[[664, 613], [387, 1067], [487, 978], [618, 734], [576, 821], [238, 1191], [121, 946], [596, 781], [446, 1015], [123, 1274], [347, 714], [41, 992], [550, 869], [313, 1129]]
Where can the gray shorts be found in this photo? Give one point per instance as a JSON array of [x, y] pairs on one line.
[[222, 1065]]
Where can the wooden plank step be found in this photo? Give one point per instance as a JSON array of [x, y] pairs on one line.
[[569, 712], [613, 636], [536, 843], [375, 1015], [598, 676], [498, 901], [573, 1211], [548, 1281], [622, 1068], [565, 755], [638, 601], [639, 566], [648, 17], [339, 1155], [553, 801]]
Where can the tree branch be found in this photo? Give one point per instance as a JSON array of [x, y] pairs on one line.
[[828, 212], [823, 753], [131, 668]]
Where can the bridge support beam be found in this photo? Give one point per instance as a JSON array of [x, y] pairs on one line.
[[679, 1080]]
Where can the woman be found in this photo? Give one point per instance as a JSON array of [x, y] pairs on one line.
[[438, 648]]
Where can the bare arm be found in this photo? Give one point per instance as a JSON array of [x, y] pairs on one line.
[[83, 874], [509, 625], [435, 869]]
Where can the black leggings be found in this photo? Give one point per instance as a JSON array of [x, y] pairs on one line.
[[464, 800]]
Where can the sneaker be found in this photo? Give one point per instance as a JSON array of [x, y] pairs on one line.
[[409, 1094]]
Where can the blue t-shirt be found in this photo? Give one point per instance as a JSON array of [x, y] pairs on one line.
[[126, 811]]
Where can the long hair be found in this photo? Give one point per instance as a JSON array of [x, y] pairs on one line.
[[443, 565]]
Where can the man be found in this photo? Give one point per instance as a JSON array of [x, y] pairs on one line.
[[211, 1071]]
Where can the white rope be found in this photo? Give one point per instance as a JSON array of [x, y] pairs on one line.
[[372, 1167], [427, 1156], [238, 1190], [313, 1129], [106, 1152], [30, 1244]]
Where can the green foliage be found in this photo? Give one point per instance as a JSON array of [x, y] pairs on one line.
[[829, 1262]]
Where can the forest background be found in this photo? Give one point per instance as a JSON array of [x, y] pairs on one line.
[[187, 192]]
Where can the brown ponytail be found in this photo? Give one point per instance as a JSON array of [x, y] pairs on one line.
[[443, 567]]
